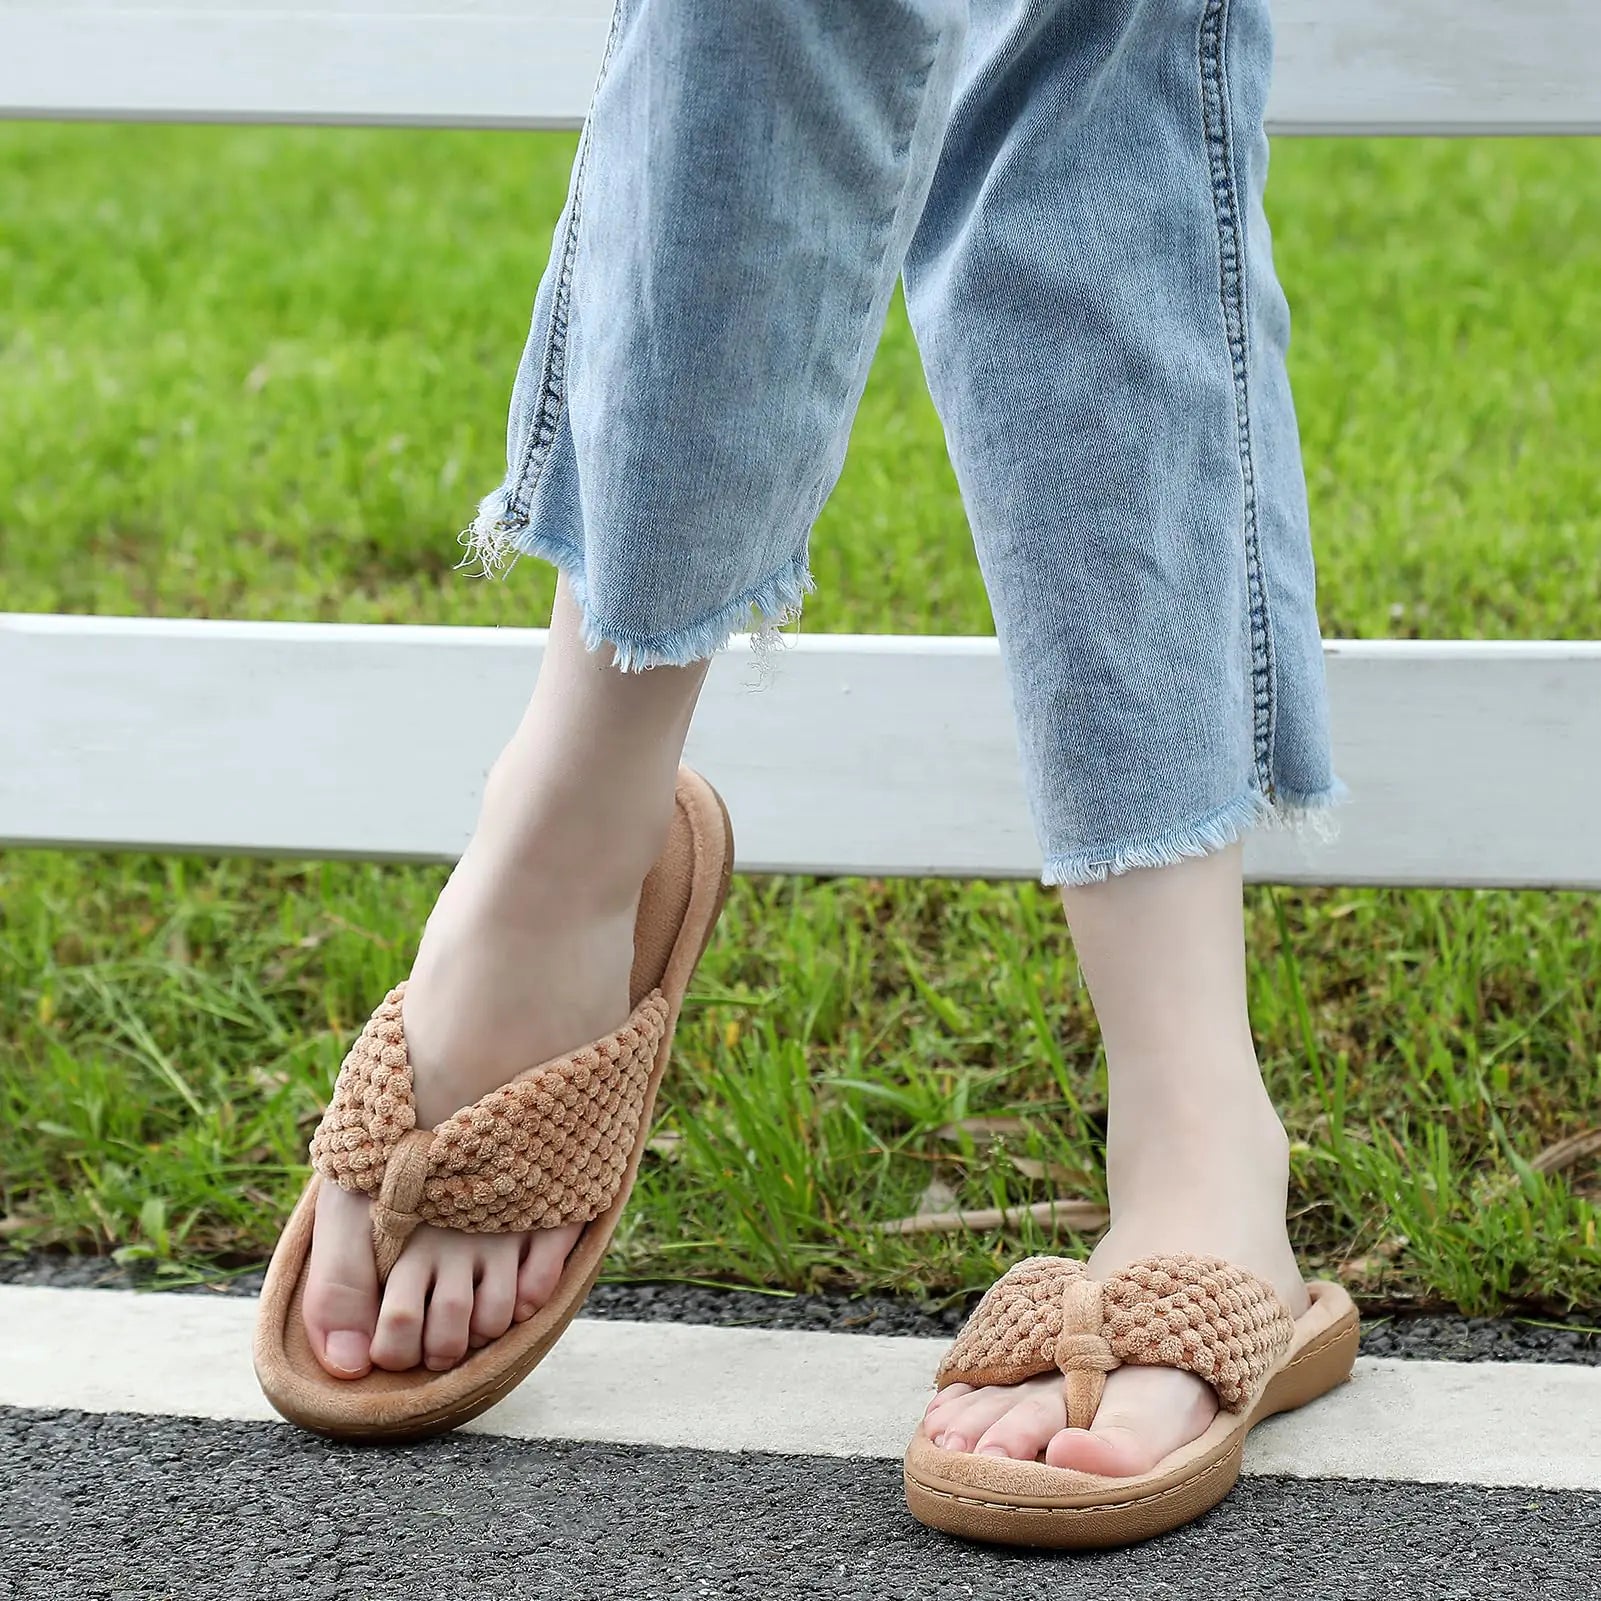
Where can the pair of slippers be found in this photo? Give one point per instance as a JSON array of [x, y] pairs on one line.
[[561, 1144]]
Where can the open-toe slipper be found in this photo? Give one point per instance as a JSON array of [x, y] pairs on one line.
[[560, 1144], [1198, 1313]]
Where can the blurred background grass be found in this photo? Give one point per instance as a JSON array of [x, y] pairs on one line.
[[263, 373]]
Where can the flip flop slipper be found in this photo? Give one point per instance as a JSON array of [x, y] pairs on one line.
[[560, 1144], [1198, 1313]]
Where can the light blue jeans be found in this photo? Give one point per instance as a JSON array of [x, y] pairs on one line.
[[1072, 191]]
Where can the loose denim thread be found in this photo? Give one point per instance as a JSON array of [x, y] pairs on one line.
[[496, 539], [776, 602], [1287, 811], [489, 543]]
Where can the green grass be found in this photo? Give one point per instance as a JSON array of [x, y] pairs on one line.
[[260, 373]]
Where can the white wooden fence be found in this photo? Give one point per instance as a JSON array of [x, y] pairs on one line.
[[1472, 763]]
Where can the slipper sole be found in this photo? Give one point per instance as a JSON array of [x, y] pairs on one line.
[[391, 1408], [1001, 1502]]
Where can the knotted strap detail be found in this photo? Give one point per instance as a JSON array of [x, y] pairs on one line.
[[551, 1147], [395, 1212], [1198, 1313], [1082, 1351]]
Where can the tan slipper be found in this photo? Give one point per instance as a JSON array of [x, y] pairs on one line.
[[560, 1144], [1198, 1313]]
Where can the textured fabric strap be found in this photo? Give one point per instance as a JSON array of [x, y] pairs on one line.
[[1199, 1313], [551, 1147]]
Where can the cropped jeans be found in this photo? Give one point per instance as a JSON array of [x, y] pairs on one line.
[[1071, 191]]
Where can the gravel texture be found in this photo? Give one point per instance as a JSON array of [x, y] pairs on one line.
[[145, 1509], [1436, 1336]]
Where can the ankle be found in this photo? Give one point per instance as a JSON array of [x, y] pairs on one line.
[[588, 844], [1176, 1149]]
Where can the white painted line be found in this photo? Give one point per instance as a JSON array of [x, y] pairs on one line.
[[806, 1394]]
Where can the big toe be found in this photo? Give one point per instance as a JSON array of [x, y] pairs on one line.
[[1146, 1413], [340, 1309], [1113, 1450]]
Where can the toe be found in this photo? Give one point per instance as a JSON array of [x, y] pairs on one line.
[[1026, 1429], [1146, 1413], [340, 1307], [494, 1289], [450, 1309], [540, 1273], [397, 1342], [1113, 1450], [968, 1419], [941, 1402]]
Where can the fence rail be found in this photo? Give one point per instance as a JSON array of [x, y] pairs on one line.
[[1344, 66], [1471, 763]]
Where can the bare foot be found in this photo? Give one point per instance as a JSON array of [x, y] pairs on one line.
[[526, 955], [1220, 1192]]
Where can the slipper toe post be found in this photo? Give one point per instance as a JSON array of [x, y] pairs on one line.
[[1197, 1313], [560, 1144]]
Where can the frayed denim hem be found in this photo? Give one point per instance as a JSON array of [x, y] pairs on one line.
[[775, 602], [1288, 809], [497, 537]]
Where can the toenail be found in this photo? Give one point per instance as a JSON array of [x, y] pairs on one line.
[[525, 1310], [440, 1364], [952, 1442], [992, 1450], [348, 1350]]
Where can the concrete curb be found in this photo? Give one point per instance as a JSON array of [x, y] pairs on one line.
[[808, 1394]]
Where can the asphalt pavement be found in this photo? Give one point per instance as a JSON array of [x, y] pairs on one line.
[[658, 1458], [136, 1509]]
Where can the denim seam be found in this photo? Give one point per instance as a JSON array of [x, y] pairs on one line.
[[553, 367], [1210, 43]]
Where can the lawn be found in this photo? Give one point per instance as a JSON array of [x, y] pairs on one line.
[[263, 373]]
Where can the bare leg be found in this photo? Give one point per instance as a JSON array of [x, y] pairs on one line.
[[1196, 1157], [526, 955]]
